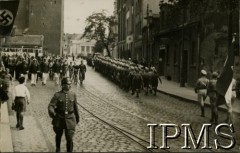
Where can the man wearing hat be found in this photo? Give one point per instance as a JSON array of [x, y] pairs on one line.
[[63, 110], [201, 90]]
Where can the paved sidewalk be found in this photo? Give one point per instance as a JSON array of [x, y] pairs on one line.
[[5, 132], [31, 139], [187, 93]]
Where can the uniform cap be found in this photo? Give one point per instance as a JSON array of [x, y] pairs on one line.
[[152, 68], [203, 72], [215, 74], [66, 80]]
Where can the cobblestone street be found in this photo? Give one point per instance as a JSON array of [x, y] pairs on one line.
[[118, 108]]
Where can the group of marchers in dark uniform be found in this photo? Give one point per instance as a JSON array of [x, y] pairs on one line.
[[128, 75]]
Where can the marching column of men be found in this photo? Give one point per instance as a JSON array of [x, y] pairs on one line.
[[128, 75], [42, 67]]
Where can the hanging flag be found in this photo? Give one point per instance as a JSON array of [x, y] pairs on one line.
[[8, 11], [224, 83]]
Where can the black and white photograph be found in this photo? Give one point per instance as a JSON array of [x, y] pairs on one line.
[[119, 76]]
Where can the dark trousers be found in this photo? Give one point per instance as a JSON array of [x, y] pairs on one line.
[[68, 135], [19, 116], [214, 110]]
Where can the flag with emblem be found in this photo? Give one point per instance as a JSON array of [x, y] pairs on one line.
[[224, 83], [8, 11]]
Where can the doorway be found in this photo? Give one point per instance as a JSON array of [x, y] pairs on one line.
[[161, 60], [185, 66]]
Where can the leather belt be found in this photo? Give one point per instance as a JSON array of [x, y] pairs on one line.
[[66, 112]]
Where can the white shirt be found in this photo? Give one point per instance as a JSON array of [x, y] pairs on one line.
[[21, 91]]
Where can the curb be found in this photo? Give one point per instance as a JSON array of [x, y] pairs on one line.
[[6, 144], [193, 101]]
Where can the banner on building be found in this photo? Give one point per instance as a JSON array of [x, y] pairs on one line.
[[8, 11]]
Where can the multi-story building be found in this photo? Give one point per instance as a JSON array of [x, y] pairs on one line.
[[190, 42], [114, 50], [131, 20], [175, 38], [43, 18]]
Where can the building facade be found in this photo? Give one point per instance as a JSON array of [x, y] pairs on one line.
[[44, 18], [131, 21], [82, 47], [189, 43], [175, 37], [113, 46]]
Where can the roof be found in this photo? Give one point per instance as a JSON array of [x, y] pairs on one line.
[[26, 40]]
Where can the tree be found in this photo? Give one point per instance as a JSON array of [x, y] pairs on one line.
[[98, 47], [99, 27]]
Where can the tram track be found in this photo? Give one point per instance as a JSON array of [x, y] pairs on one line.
[[126, 132], [121, 131], [102, 101]]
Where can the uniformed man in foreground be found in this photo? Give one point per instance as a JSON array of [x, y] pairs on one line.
[[64, 112], [201, 90]]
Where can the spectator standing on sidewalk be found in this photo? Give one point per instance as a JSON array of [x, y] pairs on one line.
[[64, 112], [21, 96], [201, 90], [212, 93]]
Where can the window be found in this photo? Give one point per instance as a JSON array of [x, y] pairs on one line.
[[88, 49], [83, 48]]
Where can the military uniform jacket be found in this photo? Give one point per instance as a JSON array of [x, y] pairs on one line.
[[63, 110], [202, 83], [211, 90]]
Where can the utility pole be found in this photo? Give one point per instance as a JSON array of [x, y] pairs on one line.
[[147, 46]]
